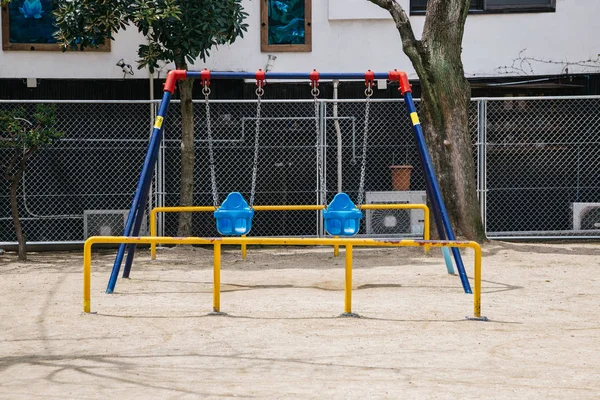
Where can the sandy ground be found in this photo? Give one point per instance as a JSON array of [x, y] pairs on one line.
[[282, 337]]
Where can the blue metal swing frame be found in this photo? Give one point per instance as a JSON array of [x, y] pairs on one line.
[[136, 213]]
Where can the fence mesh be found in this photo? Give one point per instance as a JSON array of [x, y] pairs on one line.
[[536, 158], [542, 159], [95, 167]]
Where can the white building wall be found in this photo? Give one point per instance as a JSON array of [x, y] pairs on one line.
[[355, 35]]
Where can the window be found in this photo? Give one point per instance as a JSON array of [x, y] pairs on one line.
[[30, 26], [285, 25], [419, 6]]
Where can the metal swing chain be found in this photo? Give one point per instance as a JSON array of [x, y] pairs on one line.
[[211, 156], [363, 167], [315, 92], [259, 93]]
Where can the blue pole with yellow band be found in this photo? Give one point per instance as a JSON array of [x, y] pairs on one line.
[[439, 208], [158, 123], [136, 213]]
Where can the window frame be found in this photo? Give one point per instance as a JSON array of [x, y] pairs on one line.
[[265, 47], [483, 8], [7, 45]]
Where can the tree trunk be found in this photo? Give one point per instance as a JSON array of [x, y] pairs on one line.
[[14, 179], [445, 115], [445, 95], [14, 212], [186, 194]]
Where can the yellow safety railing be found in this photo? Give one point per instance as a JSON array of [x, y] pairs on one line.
[[156, 210], [218, 242]]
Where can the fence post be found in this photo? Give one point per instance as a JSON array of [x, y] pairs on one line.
[[481, 159]]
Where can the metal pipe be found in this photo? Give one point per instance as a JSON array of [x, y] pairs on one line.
[[217, 242], [289, 75], [244, 249], [156, 210], [338, 133], [217, 277], [435, 193], [140, 195], [348, 281]]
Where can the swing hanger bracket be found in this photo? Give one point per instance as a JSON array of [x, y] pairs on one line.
[[369, 81], [369, 78], [205, 77], [394, 76], [314, 78], [314, 82], [260, 78]]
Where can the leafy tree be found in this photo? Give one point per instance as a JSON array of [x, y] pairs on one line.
[[445, 95], [20, 137], [178, 31]]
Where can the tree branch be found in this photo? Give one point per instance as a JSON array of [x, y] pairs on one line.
[[411, 46]]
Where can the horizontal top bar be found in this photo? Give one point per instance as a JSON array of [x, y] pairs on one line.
[[308, 207], [281, 241], [289, 75]]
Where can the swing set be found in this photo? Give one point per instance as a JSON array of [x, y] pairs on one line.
[[234, 216]]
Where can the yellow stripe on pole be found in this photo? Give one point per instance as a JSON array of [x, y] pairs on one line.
[[415, 118], [158, 123]]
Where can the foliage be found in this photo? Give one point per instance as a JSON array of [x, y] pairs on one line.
[[177, 30], [17, 133], [20, 137]]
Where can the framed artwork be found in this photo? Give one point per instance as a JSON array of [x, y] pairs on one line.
[[28, 25], [286, 25]]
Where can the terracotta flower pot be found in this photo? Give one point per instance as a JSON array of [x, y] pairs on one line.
[[401, 176]]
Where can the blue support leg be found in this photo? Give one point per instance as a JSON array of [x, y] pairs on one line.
[[435, 192], [141, 192], [136, 230], [139, 218]]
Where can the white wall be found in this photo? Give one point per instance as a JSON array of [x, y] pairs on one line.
[[355, 35]]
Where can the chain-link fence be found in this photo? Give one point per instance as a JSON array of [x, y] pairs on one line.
[[542, 175], [536, 158]]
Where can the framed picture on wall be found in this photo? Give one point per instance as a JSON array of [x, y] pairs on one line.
[[28, 25], [286, 25]]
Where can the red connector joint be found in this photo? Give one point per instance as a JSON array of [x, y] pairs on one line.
[[404, 85], [394, 75], [369, 78], [314, 78], [205, 77], [260, 78], [172, 78]]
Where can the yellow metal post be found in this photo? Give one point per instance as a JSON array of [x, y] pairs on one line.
[[87, 278], [348, 281], [243, 249], [217, 278], [153, 233], [477, 288], [336, 248]]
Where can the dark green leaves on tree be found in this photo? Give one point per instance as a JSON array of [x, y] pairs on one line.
[[178, 31]]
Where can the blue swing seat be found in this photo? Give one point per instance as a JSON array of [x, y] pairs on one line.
[[234, 217], [341, 217]]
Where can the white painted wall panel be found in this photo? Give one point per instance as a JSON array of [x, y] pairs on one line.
[[339, 44]]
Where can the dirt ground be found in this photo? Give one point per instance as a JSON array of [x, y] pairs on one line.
[[282, 337]]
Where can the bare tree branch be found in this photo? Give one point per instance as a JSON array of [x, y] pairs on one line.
[[411, 46]]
